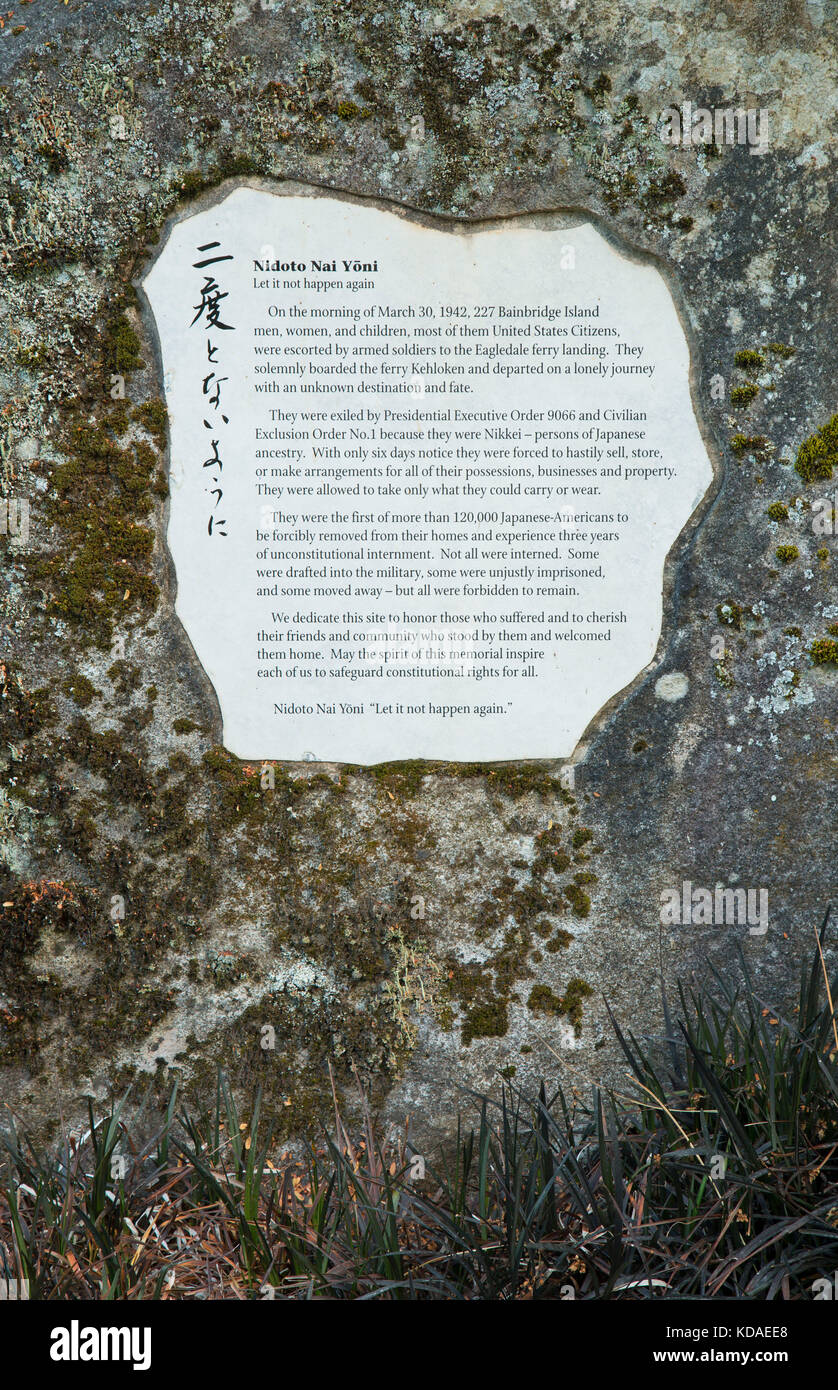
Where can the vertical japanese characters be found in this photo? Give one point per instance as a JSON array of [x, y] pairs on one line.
[[208, 315]]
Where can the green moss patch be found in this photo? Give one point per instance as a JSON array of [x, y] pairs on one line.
[[543, 1001], [824, 652], [818, 455]]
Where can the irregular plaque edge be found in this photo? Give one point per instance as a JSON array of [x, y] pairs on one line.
[[546, 219]]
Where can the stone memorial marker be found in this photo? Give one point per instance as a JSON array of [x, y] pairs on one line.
[[362, 370], [424, 481]]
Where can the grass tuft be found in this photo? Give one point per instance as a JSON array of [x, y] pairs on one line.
[[712, 1174]]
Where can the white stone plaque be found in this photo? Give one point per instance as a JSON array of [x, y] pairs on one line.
[[423, 481]]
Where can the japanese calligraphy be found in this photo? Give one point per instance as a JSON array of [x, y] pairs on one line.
[[208, 313]]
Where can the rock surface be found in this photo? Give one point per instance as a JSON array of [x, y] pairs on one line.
[[428, 926]]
